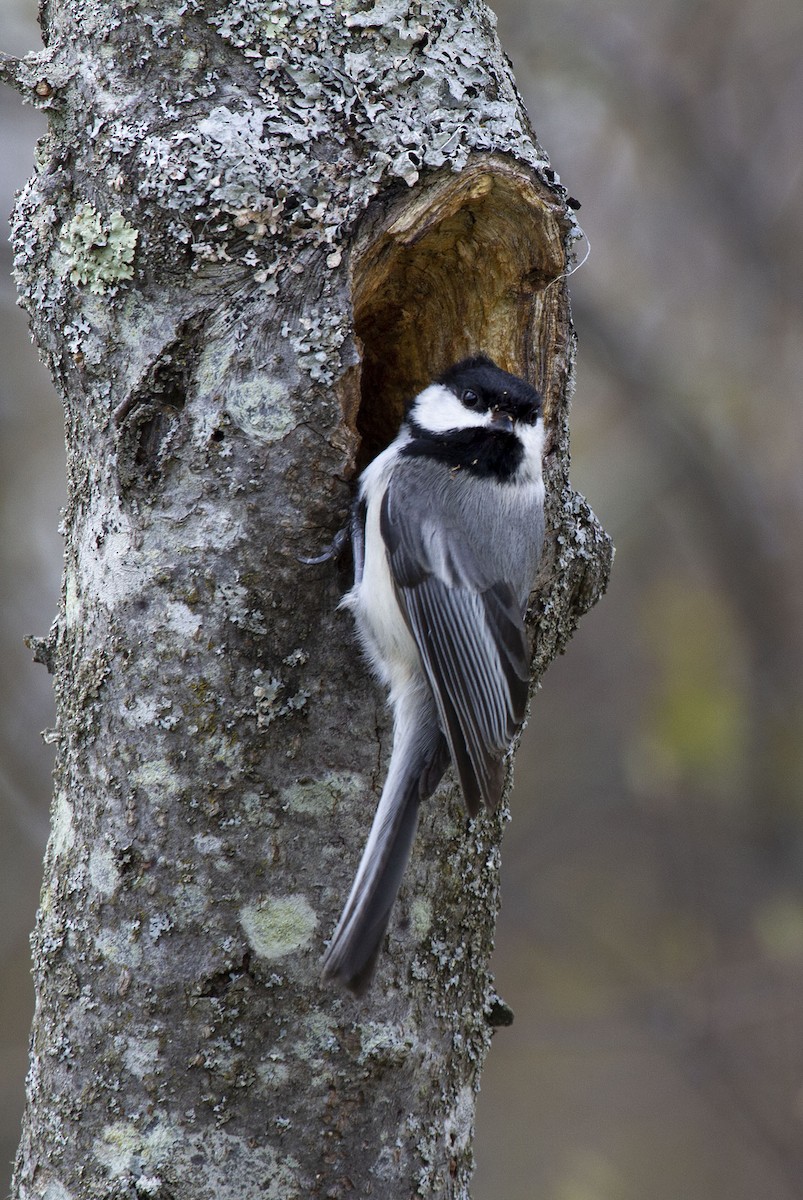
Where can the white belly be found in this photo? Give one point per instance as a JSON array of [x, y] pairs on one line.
[[381, 626]]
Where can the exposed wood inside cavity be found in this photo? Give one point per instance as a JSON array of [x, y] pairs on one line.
[[461, 265]]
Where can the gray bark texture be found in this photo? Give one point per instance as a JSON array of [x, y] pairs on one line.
[[254, 230]]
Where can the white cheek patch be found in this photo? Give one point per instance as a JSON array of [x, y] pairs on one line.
[[532, 438], [437, 409]]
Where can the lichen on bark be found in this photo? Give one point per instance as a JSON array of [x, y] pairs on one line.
[[252, 232]]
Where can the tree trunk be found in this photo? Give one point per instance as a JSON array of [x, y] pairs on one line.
[[254, 231]]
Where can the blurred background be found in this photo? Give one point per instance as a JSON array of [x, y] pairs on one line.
[[651, 939]]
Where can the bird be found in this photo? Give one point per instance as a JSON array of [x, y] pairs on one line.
[[447, 532]]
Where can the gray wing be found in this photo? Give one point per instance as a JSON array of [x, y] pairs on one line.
[[469, 630]]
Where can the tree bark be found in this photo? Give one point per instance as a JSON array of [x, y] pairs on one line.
[[254, 231]]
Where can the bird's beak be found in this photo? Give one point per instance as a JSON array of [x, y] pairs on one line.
[[501, 420]]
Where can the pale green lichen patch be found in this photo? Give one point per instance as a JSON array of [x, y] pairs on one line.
[[121, 945], [278, 925], [262, 408], [421, 917], [122, 1148], [140, 1160], [141, 1056], [62, 833], [100, 250], [158, 778], [103, 872], [321, 797]]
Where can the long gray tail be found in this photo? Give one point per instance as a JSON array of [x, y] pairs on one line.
[[420, 756]]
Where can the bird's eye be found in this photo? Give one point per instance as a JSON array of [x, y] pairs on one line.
[[470, 398]]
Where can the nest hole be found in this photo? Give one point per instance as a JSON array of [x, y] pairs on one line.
[[464, 268]]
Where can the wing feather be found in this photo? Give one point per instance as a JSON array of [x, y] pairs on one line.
[[469, 630]]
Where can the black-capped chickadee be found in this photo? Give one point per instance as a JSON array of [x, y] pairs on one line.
[[447, 534]]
